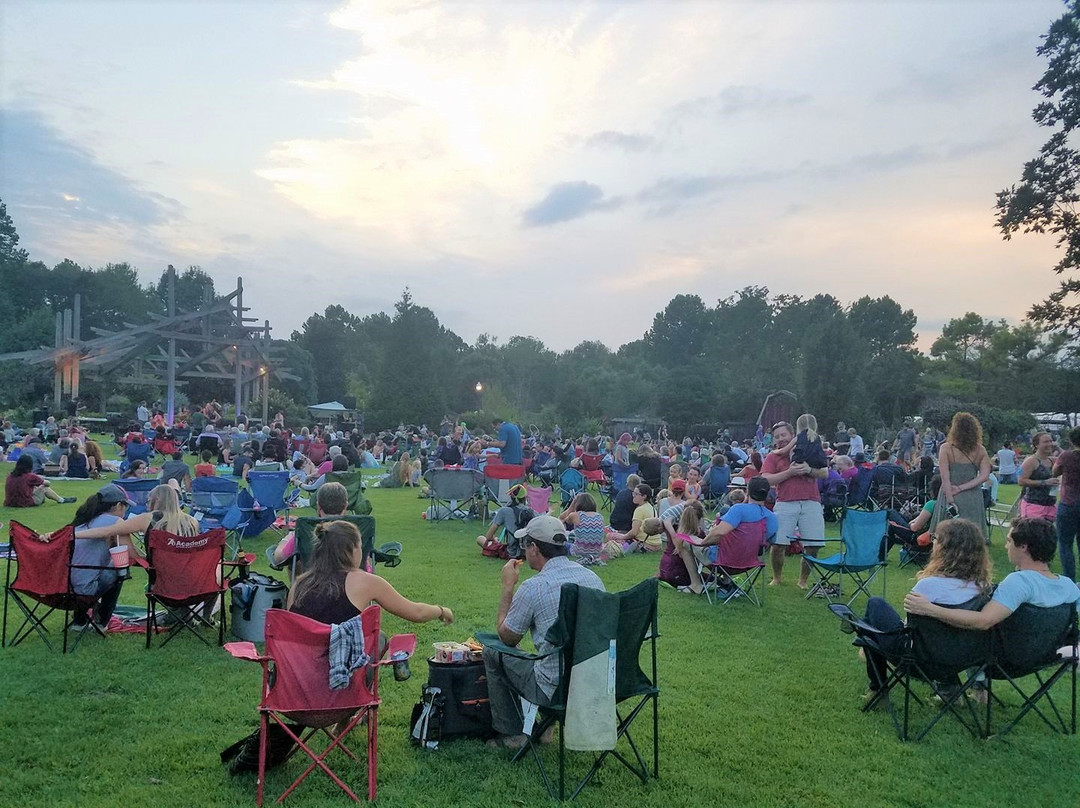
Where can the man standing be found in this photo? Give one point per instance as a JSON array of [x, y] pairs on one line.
[[798, 504], [841, 443], [905, 443], [534, 607], [142, 415], [508, 440], [1006, 458], [855, 443]]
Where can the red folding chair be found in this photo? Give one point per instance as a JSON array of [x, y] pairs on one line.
[[591, 470], [299, 693], [184, 573], [498, 480], [317, 452], [43, 580]]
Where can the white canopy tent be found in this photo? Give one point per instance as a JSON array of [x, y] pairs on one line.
[[330, 410]]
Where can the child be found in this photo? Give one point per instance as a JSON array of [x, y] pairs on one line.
[[206, 468], [693, 484], [672, 569], [806, 448], [734, 497]]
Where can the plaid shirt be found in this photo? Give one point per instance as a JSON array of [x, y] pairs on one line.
[[535, 608]]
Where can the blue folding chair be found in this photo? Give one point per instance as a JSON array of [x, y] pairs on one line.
[[137, 451], [268, 488], [617, 484], [211, 499], [716, 485], [571, 483], [864, 536], [138, 493]]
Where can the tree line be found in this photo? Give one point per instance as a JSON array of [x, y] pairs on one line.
[[699, 365]]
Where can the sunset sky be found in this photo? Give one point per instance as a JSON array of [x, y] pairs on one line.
[[556, 169]]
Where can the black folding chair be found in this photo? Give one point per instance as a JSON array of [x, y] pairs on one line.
[[637, 623], [1026, 643], [949, 660]]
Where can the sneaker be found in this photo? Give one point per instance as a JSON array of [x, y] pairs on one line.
[[67, 500]]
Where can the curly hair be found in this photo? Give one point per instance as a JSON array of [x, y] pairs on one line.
[[960, 552], [965, 432]]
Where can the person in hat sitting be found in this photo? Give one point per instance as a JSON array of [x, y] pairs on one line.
[[532, 608]]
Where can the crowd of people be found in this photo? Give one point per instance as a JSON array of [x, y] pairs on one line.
[[688, 503]]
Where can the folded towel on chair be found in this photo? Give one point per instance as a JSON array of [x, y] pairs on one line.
[[347, 652]]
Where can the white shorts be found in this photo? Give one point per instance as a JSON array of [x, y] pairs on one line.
[[804, 516]]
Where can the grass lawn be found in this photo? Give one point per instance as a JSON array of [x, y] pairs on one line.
[[758, 707]]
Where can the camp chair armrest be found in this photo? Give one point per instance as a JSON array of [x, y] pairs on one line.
[[493, 642], [399, 643], [91, 567], [245, 651]]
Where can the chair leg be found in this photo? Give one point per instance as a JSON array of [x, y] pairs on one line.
[[373, 751]]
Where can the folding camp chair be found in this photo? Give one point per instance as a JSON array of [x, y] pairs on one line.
[[580, 634], [571, 483], [950, 660], [911, 552], [268, 488], [43, 581], [138, 493], [454, 493], [864, 540], [716, 485], [498, 480], [211, 499], [539, 499], [354, 484], [297, 697], [184, 574], [136, 450], [737, 557], [305, 540], [615, 484], [1027, 643], [317, 452], [592, 471]]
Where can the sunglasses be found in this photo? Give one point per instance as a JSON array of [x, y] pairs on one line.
[[779, 424]]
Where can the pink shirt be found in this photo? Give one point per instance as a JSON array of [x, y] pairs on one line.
[[1070, 477], [793, 489]]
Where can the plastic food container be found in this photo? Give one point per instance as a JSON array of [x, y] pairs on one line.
[[451, 652]]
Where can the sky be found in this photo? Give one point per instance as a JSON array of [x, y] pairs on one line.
[[517, 162]]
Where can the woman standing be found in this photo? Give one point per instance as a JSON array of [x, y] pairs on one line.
[[1038, 480], [1068, 514], [964, 466]]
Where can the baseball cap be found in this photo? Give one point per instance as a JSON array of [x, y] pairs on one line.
[[113, 494], [678, 485], [547, 529], [758, 488]]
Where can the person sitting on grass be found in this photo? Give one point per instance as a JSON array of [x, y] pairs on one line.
[[635, 540], [24, 489], [206, 468], [693, 484], [74, 463], [136, 471], [586, 527], [622, 507], [332, 499], [93, 450], [334, 589], [177, 470], [510, 517], [673, 570]]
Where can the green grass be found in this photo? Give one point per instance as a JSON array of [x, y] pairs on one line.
[[758, 707]]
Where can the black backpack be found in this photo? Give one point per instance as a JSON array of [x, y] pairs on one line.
[[523, 514], [243, 756], [453, 704]]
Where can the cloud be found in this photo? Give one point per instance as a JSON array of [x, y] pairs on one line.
[[566, 201], [736, 100], [611, 139], [54, 181]]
